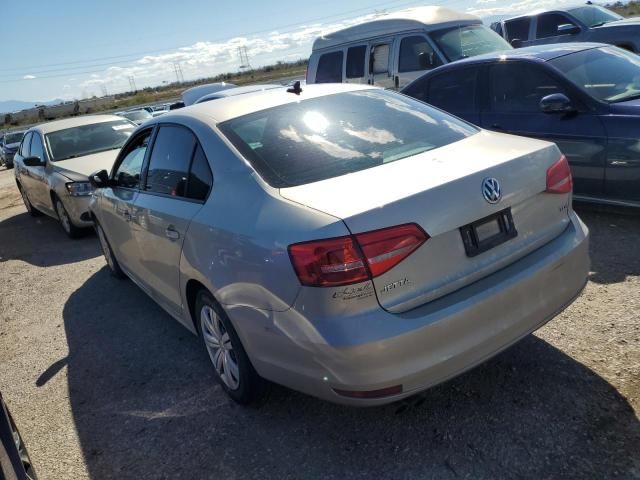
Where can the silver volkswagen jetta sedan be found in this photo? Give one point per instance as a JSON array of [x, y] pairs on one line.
[[344, 241]]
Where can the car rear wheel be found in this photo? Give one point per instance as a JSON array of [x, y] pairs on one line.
[[65, 220], [231, 364], [31, 210], [112, 263]]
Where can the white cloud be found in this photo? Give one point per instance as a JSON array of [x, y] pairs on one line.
[[29, 77]]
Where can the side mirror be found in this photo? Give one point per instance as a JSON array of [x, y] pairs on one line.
[[516, 43], [99, 179], [556, 103], [568, 29], [33, 162]]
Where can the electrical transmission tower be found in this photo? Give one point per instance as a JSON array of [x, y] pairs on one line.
[[105, 92], [178, 71], [244, 58], [132, 83]]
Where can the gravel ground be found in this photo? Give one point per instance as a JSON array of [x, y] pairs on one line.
[[103, 384]]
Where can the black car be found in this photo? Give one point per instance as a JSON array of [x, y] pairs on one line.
[[9, 147], [14, 459], [584, 97], [586, 23]]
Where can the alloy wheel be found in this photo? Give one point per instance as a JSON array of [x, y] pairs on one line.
[[219, 347]]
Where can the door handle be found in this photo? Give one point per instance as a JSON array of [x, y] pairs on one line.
[[496, 126], [397, 81], [126, 215], [172, 233]]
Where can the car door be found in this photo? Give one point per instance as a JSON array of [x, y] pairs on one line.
[[39, 186], [116, 203], [454, 91], [381, 71], [415, 55], [513, 106], [164, 208], [556, 27]]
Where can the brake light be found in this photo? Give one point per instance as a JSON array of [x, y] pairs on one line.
[[559, 178], [354, 258]]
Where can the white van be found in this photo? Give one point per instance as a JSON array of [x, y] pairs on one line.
[[397, 48]]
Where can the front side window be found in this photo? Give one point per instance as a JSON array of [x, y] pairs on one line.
[[25, 145], [607, 73], [333, 135], [330, 68], [468, 41], [169, 161], [548, 24], [518, 29], [130, 169], [37, 149], [355, 61], [416, 54], [518, 87], [88, 139]]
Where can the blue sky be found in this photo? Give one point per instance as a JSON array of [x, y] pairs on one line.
[[73, 49]]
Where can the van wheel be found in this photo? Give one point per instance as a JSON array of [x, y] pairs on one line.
[[65, 220], [231, 365], [110, 258], [31, 210]]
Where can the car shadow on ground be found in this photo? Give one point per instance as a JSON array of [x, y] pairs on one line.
[[41, 241], [145, 405], [612, 261]]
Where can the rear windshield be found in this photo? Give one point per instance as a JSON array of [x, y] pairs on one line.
[[469, 41], [87, 139], [333, 135]]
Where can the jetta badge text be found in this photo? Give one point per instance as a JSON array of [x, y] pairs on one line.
[[491, 190]]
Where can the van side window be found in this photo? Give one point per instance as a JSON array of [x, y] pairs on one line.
[[518, 29], [380, 59], [416, 54], [355, 61], [330, 68]]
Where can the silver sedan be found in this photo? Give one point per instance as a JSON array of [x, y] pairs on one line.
[[344, 241], [54, 160]]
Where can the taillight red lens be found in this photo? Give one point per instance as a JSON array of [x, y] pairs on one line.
[[559, 178], [352, 259], [385, 248]]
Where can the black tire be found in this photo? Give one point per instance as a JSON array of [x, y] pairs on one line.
[[109, 256], [251, 388], [31, 210], [65, 220]]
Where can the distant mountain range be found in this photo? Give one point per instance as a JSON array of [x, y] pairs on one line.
[[8, 106]]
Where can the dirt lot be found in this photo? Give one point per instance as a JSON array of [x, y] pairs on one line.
[[103, 384]]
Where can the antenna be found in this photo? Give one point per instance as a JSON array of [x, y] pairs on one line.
[[244, 58]]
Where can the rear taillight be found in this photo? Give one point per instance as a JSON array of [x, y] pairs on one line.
[[355, 258], [559, 178]]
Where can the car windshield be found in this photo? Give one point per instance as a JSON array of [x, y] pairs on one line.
[[329, 136], [607, 73], [13, 137], [137, 115], [87, 139], [468, 41], [592, 15]]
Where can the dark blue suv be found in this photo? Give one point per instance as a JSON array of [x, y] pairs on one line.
[[584, 97]]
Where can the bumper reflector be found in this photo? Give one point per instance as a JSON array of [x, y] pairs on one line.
[[383, 392]]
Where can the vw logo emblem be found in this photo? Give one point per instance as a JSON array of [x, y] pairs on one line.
[[491, 190]]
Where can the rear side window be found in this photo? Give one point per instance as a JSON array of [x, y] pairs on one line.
[[330, 68], [416, 54], [518, 29], [355, 61], [200, 177], [454, 91], [169, 161], [329, 136], [37, 149], [25, 145], [518, 87], [548, 24]]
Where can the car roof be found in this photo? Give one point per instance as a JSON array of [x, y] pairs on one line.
[[538, 11], [192, 94], [56, 125], [542, 53], [239, 91], [235, 106], [409, 19]]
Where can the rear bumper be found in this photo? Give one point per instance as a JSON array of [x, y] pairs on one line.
[[431, 343]]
